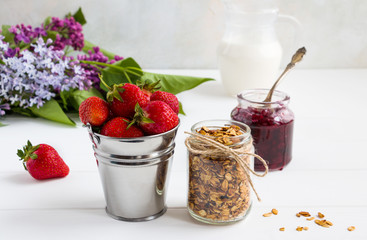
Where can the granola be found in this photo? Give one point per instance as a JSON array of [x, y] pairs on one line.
[[305, 214], [274, 211], [324, 223], [351, 228], [267, 214], [299, 229], [218, 186]]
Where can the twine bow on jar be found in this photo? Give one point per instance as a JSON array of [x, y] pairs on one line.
[[200, 144]]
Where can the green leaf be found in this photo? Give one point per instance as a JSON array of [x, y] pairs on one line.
[[2, 124], [74, 98], [174, 83], [50, 34], [181, 111], [78, 96], [89, 46], [24, 111], [123, 71], [8, 36], [51, 110], [47, 21], [65, 96], [22, 45], [79, 17]]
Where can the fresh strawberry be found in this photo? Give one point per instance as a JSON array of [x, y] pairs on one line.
[[119, 127], [147, 94], [156, 117], [94, 111], [42, 161], [148, 88], [168, 98], [123, 98]]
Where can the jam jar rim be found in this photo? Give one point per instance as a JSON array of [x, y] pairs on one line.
[[285, 97], [246, 135]]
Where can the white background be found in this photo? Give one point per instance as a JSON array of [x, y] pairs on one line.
[[185, 33]]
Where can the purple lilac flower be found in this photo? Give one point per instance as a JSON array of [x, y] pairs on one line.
[[92, 72], [11, 52], [35, 77], [70, 33], [26, 34], [4, 107]]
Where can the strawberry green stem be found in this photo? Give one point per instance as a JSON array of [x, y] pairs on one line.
[[27, 153]]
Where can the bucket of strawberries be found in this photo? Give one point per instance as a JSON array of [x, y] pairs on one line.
[[133, 135]]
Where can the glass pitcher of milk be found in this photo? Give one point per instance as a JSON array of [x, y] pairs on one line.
[[249, 53]]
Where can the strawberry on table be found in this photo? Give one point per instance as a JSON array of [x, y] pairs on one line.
[[42, 161], [168, 98], [94, 111], [119, 127], [156, 117]]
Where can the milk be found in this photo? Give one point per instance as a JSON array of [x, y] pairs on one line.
[[248, 65]]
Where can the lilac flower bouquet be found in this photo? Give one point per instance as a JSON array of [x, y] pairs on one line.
[[39, 78], [36, 76]]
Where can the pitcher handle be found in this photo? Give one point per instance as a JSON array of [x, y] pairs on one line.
[[296, 26]]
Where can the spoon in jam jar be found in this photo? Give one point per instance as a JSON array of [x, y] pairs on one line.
[[297, 57]]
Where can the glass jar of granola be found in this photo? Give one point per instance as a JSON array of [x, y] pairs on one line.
[[220, 160]]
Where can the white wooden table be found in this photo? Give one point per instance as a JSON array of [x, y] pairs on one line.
[[328, 172]]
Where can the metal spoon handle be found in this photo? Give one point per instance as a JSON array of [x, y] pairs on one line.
[[297, 57]]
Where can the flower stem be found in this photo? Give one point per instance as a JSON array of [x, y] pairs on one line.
[[127, 76], [24, 48], [122, 69], [68, 50], [101, 78], [100, 64]]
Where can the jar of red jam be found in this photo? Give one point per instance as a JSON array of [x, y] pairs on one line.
[[271, 126]]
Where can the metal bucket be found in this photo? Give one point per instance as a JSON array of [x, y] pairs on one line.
[[134, 173]]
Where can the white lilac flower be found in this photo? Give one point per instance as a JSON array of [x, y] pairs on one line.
[[34, 77]]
